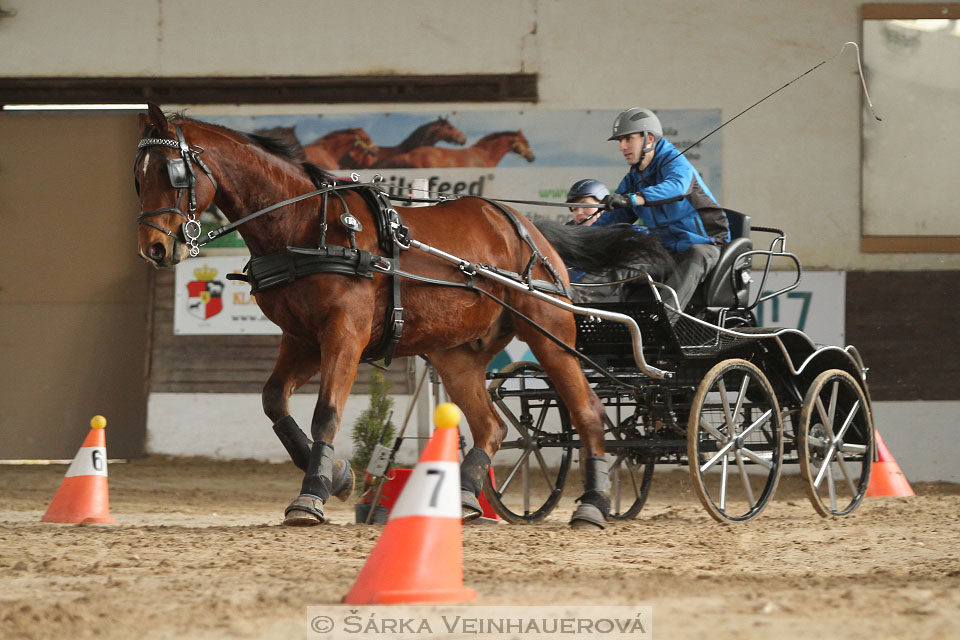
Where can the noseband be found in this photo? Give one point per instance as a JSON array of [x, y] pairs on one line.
[[182, 176]]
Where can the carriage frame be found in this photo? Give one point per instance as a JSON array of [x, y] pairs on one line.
[[706, 389]]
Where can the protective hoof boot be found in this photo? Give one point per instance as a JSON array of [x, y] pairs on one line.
[[470, 508], [343, 479], [588, 516], [305, 511]]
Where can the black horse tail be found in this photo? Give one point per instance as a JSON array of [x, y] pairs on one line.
[[599, 249]]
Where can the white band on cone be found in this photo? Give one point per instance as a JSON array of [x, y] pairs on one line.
[[90, 461], [433, 489]]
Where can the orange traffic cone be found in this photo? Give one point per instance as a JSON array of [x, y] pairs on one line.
[[419, 556], [83, 495], [886, 478], [489, 516]]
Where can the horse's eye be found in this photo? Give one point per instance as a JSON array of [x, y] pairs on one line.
[[136, 183]]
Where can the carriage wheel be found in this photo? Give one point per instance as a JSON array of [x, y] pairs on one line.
[[538, 417], [735, 427], [630, 474], [836, 443], [629, 485]]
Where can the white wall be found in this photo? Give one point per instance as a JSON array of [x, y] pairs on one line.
[[232, 425], [922, 436], [793, 162]]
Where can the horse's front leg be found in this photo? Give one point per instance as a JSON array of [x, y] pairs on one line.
[[296, 364], [324, 475]]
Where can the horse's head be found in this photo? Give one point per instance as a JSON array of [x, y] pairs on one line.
[[442, 130], [173, 185], [353, 148], [362, 151], [522, 147]]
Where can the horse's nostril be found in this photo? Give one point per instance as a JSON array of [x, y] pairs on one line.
[[157, 251]]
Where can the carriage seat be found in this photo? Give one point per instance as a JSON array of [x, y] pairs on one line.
[[722, 287]]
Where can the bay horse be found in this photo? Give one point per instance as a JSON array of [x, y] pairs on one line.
[[342, 149], [332, 320], [426, 135], [486, 152]]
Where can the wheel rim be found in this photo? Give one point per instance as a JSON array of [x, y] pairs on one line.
[[836, 443], [536, 416], [735, 441]]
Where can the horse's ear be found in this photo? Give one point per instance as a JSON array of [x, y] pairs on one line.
[[156, 118]]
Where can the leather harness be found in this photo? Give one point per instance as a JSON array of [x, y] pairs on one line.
[[293, 263]]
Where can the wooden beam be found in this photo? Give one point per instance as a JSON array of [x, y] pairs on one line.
[[904, 11], [910, 244], [505, 87]]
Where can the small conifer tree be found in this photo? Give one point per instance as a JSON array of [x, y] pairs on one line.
[[373, 426]]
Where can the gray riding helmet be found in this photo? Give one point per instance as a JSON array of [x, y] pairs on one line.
[[588, 187], [637, 120]]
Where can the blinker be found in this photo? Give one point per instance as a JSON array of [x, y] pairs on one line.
[[177, 170]]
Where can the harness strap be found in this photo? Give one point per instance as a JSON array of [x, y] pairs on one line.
[[297, 262], [536, 255], [383, 214]]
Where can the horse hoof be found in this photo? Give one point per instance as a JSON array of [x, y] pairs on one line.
[[343, 479], [587, 516], [305, 511], [470, 508]]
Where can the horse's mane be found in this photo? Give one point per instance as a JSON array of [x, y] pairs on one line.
[[278, 145], [285, 148], [499, 134]]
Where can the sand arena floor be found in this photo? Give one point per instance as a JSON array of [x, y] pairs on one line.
[[197, 551]]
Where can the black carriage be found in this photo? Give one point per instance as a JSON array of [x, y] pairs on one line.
[[708, 389]]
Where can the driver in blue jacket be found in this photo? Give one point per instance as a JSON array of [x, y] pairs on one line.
[[664, 193]]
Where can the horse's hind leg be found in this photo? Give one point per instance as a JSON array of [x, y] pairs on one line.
[[586, 413], [463, 371]]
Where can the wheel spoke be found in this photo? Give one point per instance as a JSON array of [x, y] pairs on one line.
[[712, 431], [525, 483], [615, 486], [846, 423], [723, 484], [722, 453], [756, 458], [853, 448], [531, 445], [843, 469], [633, 481], [831, 488], [834, 392], [827, 420], [825, 467], [745, 478], [543, 467], [513, 471], [762, 419], [726, 408], [505, 409], [743, 394]]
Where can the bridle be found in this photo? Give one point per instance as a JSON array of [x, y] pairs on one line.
[[182, 176], [519, 147]]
